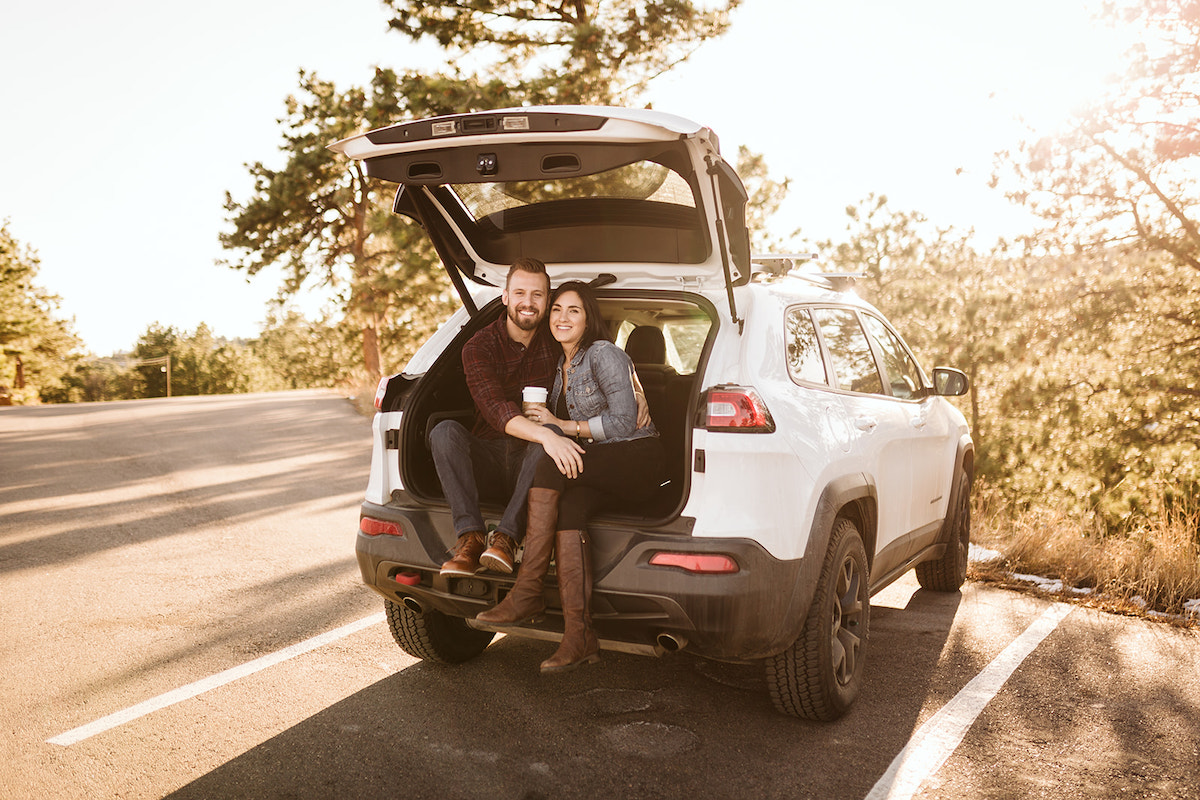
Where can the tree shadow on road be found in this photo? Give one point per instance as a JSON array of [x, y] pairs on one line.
[[1105, 707], [146, 470]]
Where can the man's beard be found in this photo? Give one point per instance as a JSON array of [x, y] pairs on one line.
[[522, 322]]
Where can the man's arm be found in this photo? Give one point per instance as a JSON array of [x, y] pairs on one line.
[[479, 367]]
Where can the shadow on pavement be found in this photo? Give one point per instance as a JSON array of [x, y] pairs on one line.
[[147, 470], [628, 727]]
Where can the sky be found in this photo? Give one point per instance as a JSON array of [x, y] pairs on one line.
[[125, 123]]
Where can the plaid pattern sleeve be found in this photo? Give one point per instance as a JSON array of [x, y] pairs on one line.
[[496, 369]]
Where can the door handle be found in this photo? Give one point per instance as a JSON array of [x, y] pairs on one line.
[[867, 424]]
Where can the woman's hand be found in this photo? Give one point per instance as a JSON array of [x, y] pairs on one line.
[[542, 416]]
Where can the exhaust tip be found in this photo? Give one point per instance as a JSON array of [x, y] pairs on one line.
[[671, 642], [413, 604]]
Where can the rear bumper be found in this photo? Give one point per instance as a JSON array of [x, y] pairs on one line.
[[750, 614]]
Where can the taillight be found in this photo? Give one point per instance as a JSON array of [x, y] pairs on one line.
[[708, 563], [736, 408], [379, 392], [378, 527]]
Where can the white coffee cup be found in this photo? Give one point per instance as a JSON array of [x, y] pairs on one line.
[[533, 397]]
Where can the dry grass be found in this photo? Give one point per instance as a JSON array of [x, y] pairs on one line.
[[360, 391], [1154, 568]]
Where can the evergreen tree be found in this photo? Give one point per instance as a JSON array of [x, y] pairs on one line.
[[36, 348], [324, 222]]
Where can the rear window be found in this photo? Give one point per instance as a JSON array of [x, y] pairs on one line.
[[639, 212], [644, 180]]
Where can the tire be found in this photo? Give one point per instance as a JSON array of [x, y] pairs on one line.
[[949, 573], [434, 636], [819, 677]]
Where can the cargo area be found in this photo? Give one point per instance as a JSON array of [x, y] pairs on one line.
[[665, 334]]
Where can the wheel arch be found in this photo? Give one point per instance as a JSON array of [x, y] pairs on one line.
[[853, 497], [966, 457]]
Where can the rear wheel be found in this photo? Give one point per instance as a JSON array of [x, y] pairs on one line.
[[948, 573], [434, 636], [820, 675]]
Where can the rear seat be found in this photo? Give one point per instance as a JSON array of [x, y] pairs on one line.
[[667, 395]]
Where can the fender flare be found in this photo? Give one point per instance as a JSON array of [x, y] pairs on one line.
[[848, 490], [964, 459]]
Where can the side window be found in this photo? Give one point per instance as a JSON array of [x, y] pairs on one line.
[[685, 343], [902, 372], [853, 365], [684, 339], [803, 350]]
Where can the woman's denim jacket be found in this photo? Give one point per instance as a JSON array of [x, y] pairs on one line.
[[601, 393]]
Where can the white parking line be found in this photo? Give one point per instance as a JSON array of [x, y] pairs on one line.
[[213, 681], [942, 733]]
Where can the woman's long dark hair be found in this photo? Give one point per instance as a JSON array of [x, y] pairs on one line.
[[594, 327]]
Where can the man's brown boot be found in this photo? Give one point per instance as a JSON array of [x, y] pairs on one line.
[[500, 555], [465, 559], [579, 643], [525, 600]]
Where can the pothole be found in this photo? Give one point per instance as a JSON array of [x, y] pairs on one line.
[[650, 738], [617, 701]]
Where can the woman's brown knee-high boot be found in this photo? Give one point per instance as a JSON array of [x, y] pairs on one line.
[[579, 643], [525, 600]]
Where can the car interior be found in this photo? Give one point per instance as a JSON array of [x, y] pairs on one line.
[[665, 338]]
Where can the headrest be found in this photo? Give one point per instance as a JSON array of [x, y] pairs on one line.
[[646, 345]]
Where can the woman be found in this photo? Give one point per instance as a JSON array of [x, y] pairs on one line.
[[592, 400]]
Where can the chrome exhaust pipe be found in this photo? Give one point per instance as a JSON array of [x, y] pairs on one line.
[[670, 642], [413, 604]]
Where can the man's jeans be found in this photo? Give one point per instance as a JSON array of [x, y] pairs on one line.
[[465, 462]]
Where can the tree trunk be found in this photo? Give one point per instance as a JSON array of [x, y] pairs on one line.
[[371, 356]]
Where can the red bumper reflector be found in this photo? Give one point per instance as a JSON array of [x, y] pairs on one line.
[[376, 527], [380, 391], [408, 578], [696, 562]]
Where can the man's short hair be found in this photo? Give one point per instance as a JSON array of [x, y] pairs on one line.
[[531, 265]]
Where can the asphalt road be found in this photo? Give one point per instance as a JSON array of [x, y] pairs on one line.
[[166, 564]]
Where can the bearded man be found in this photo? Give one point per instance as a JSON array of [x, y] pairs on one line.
[[499, 361]]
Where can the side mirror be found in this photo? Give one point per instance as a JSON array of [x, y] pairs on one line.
[[950, 382]]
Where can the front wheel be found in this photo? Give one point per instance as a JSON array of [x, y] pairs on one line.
[[434, 636], [820, 675], [948, 573]]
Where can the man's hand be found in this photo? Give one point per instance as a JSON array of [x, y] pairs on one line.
[[567, 454], [643, 408]]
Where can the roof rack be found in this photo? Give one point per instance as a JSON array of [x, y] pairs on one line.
[[778, 265]]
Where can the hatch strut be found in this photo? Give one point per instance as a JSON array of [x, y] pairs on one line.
[[421, 204], [712, 178]]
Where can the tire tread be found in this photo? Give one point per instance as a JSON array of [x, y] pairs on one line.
[[433, 636]]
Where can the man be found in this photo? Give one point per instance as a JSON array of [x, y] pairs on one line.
[[513, 352]]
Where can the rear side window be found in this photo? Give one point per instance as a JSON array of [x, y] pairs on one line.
[[804, 359], [683, 328], [902, 372], [853, 364]]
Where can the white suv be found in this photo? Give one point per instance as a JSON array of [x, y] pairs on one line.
[[812, 461]]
